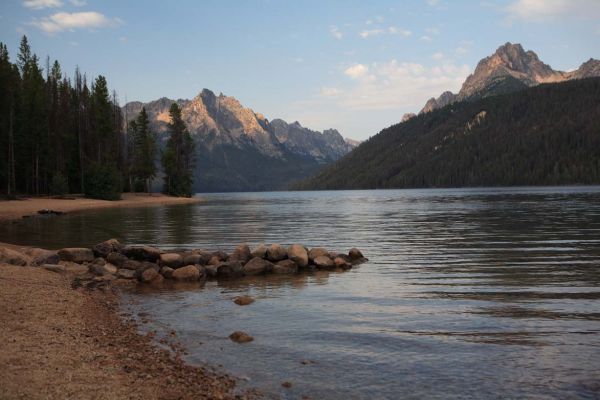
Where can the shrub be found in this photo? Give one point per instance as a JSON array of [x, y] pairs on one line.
[[59, 185], [102, 182]]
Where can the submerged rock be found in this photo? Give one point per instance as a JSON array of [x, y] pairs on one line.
[[150, 275], [76, 254], [243, 300], [240, 337]]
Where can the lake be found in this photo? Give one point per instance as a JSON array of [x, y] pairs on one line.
[[481, 293]]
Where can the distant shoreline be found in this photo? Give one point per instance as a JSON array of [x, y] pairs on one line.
[[29, 206]]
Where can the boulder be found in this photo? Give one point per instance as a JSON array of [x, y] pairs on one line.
[[143, 253], [316, 252], [150, 275], [243, 300], [188, 273], [117, 259], [76, 254], [105, 248], [144, 265], [257, 266], [229, 269], [241, 253], [193, 259], [214, 260], [298, 254], [210, 271], [260, 251], [43, 256], [240, 337], [276, 252], [126, 274], [55, 268], [324, 262], [355, 254], [132, 264], [173, 260], [167, 272], [285, 267], [340, 262], [10, 256], [221, 255], [98, 268]]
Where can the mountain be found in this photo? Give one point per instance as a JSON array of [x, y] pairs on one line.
[[240, 150], [509, 69], [544, 135]]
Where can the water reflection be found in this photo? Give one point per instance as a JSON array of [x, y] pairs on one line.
[[481, 293]]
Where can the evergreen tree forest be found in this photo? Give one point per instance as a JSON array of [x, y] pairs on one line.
[[178, 157], [61, 135], [545, 135]]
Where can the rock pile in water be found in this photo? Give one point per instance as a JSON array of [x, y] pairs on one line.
[[110, 260]]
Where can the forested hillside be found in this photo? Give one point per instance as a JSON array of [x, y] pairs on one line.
[[545, 135]]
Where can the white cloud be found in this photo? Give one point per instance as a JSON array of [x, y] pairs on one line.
[[370, 32], [329, 92], [437, 56], [71, 21], [40, 4], [426, 38], [335, 32], [357, 71], [433, 31], [394, 84], [433, 3], [78, 3], [540, 10], [392, 30]]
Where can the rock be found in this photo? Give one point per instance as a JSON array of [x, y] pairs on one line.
[[172, 260], [105, 248], [188, 273], [43, 256], [317, 252], [229, 269], [126, 274], [241, 253], [297, 253], [193, 259], [324, 262], [10, 256], [167, 272], [211, 271], [150, 275], [240, 337], [339, 262], [214, 260], [99, 267], [143, 253], [55, 268], [355, 254], [243, 300], [276, 252], [76, 254], [221, 255], [286, 384], [257, 266], [117, 259], [132, 264], [285, 267], [74, 268], [260, 252]]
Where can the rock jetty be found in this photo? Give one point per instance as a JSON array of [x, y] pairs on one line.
[[111, 260]]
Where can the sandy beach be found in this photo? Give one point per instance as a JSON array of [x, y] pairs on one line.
[[14, 209]]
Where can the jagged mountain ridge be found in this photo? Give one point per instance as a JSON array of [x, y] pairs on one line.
[[239, 149], [509, 69]]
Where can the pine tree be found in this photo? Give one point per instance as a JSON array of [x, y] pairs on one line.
[[144, 150], [178, 157]]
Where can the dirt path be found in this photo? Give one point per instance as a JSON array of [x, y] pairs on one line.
[[58, 343], [13, 209]]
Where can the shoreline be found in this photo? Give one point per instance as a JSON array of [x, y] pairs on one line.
[[29, 206]]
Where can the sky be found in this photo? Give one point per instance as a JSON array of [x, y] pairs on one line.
[[356, 66]]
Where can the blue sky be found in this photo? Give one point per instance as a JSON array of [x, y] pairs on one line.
[[357, 66]]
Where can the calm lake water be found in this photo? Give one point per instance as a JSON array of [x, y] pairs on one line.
[[481, 293]]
